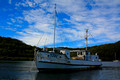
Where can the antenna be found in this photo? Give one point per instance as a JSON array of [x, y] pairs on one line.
[[86, 37], [54, 30]]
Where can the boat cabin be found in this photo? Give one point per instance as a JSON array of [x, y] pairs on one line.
[[85, 55], [66, 52]]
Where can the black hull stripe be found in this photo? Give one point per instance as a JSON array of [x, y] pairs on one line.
[[69, 64], [67, 69]]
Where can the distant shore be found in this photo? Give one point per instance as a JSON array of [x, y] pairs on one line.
[[16, 58]]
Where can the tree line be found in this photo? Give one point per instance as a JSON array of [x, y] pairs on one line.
[[13, 49]]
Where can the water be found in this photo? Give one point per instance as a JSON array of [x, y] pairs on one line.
[[21, 70]]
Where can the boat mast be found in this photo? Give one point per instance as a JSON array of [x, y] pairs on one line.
[[54, 30], [86, 37]]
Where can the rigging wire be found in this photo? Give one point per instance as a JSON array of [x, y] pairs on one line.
[[45, 41], [35, 54], [92, 37], [40, 39]]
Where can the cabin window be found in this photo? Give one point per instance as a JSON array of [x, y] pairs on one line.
[[96, 57], [80, 53]]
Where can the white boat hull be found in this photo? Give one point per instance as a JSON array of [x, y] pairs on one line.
[[43, 65]]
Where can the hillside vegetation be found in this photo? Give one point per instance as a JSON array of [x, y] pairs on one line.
[[107, 51], [13, 49]]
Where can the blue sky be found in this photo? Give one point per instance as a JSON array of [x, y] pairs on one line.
[[33, 20]]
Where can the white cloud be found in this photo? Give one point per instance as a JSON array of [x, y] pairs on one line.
[[18, 25], [13, 20], [100, 20], [9, 1], [9, 23], [11, 29], [26, 3]]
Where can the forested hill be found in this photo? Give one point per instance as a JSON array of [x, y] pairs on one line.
[[107, 51], [13, 49]]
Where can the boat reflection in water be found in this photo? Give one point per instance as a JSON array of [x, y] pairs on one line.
[[81, 75]]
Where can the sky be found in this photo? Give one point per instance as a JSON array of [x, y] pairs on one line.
[[32, 21]]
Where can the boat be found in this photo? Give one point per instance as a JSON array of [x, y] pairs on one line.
[[61, 60]]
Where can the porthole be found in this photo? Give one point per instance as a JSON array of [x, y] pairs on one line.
[[60, 57]]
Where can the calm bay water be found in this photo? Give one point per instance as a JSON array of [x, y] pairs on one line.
[[21, 70]]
